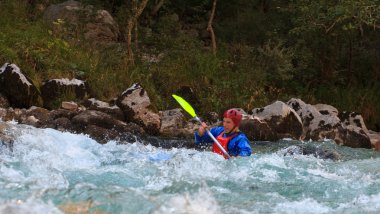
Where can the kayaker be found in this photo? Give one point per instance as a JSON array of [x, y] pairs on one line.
[[229, 136]]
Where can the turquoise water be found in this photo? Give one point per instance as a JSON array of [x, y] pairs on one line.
[[48, 171]]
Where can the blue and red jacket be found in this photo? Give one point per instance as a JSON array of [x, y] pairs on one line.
[[237, 146]]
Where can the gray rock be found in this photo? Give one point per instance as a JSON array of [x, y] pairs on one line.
[[313, 150], [53, 91], [62, 124], [281, 119], [353, 136], [58, 113], [316, 126], [4, 103], [171, 122], [42, 116], [100, 134], [327, 109], [68, 11], [71, 106], [354, 119], [98, 26], [92, 117], [137, 108], [114, 110], [18, 88], [101, 119], [255, 129]]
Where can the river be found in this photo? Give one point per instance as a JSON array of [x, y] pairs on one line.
[[48, 171]]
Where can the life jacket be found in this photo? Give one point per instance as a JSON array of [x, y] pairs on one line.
[[223, 142]]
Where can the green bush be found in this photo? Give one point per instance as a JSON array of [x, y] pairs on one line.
[[266, 51]]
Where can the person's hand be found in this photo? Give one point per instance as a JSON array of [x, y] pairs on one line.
[[202, 128]]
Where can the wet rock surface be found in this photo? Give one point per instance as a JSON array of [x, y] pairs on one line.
[[309, 149], [132, 115], [19, 90]]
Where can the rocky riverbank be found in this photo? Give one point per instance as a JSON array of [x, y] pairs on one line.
[[132, 114]]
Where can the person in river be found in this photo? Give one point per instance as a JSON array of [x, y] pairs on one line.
[[229, 136]]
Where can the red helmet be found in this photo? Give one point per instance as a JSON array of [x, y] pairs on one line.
[[234, 114]]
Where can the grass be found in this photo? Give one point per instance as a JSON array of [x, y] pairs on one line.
[[237, 76]]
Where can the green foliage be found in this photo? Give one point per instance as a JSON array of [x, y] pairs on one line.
[[364, 100], [320, 51], [168, 25], [275, 61]]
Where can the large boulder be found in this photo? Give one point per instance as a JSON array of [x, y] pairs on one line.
[[68, 11], [374, 138], [63, 113], [102, 28], [354, 133], [352, 136], [137, 108], [61, 120], [281, 119], [255, 129], [325, 109], [114, 110], [311, 149], [316, 126], [4, 103], [100, 134], [53, 91], [61, 124], [42, 117], [18, 88], [172, 121], [319, 126], [98, 26], [92, 117], [354, 119], [102, 126]]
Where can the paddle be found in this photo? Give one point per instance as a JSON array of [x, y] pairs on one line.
[[185, 105]]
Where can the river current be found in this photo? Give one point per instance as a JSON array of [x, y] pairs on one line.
[[48, 171]]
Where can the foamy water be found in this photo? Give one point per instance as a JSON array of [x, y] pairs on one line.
[[53, 172]]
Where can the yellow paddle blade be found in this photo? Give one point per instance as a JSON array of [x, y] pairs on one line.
[[185, 105]]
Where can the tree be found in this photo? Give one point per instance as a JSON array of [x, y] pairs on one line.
[[157, 7], [336, 33], [137, 9], [210, 29]]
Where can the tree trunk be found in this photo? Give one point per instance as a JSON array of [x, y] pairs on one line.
[[350, 69], [136, 27], [132, 21], [264, 6], [130, 57], [210, 29], [156, 8], [136, 38]]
